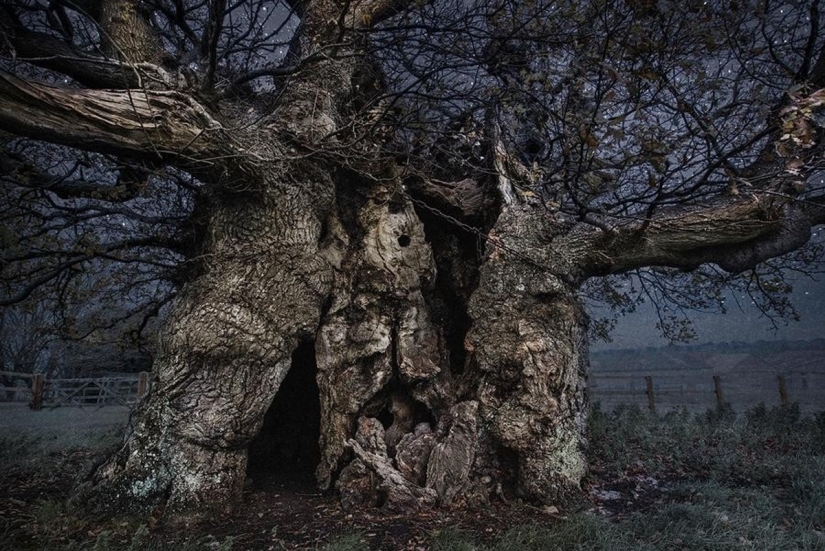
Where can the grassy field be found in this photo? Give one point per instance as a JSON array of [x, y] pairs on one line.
[[700, 482], [57, 429]]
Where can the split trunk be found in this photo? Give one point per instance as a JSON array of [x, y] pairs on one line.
[[422, 365]]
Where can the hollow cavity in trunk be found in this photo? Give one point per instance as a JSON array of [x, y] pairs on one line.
[[285, 451]]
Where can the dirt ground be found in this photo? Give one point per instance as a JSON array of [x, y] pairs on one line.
[[279, 515], [274, 515], [44, 453]]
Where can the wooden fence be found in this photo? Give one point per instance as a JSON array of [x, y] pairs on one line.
[[96, 391], [670, 390], [658, 391]]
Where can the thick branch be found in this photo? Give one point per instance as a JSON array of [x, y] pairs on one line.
[[736, 234], [126, 33], [211, 37], [733, 231], [95, 71], [164, 126], [378, 11], [321, 14]]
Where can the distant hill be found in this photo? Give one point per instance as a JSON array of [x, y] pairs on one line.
[[765, 372], [724, 357]]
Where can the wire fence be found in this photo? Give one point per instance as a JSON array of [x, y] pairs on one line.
[[660, 391], [664, 391]]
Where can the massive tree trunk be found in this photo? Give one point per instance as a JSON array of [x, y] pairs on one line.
[[415, 410], [431, 413], [451, 354], [446, 375], [528, 358], [224, 352]]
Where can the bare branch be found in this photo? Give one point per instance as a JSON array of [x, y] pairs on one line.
[[164, 126], [734, 233], [212, 34], [95, 71]]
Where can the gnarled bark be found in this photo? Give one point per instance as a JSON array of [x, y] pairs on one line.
[[377, 337], [224, 352], [513, 415], [159, 126], [528, 356], [446, 375]]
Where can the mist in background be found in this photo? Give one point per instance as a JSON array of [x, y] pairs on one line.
[[742, 321]]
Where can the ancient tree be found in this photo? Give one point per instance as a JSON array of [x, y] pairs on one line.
[[398, 201]]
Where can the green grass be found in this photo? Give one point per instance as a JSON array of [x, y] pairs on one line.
[[750, 482], [346, 542], [754, 482]]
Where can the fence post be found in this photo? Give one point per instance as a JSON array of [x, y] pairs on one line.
[[717, 387], [651, 399], [783, 390], [143, 384], [38, 386]]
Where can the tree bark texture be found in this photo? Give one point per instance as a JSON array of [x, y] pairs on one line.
[[528, 360], [447, 375], [404, 423], [223, 354]]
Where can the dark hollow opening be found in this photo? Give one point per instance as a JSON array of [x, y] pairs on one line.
[[385, 417], [457, 259], [413, 415], [286, 451], [508, 470], [404, 240]]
